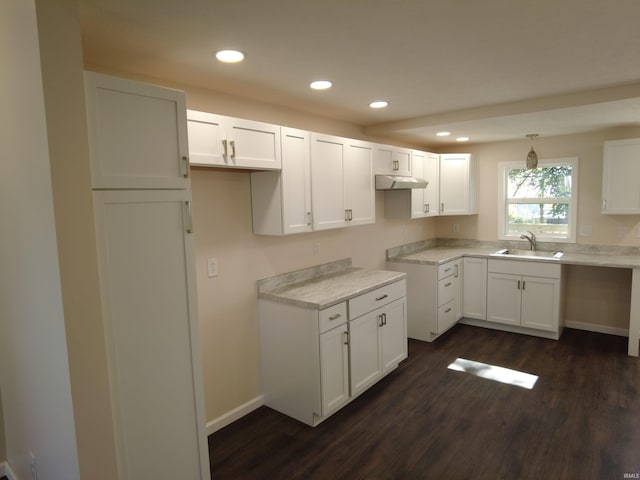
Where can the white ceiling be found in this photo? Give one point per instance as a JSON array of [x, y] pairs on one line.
[[491, 70]]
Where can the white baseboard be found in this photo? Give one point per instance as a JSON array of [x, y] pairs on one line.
[[590, 327], [235, 414], [5, 470]]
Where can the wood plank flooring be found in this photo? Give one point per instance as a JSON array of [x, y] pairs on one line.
[[424, 421]]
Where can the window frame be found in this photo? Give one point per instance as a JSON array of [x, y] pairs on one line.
[[503, 203]]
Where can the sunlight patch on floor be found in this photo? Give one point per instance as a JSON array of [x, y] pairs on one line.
[[492, 372]]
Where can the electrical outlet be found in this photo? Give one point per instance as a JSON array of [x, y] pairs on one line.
[[33, 466], [212, 267], [456, 228]]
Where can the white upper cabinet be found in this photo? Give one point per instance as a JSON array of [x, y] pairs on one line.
[[621, 177], [417, 202], [391, 160], [342, 182], [458, 184], [281, 200], [219, 141], [137, 134]]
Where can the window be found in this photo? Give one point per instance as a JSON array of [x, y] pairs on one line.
[[542, 200]]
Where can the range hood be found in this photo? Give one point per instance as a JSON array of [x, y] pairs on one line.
[[396, 182]]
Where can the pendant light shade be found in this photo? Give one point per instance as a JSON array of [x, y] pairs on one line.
[[532, 156]]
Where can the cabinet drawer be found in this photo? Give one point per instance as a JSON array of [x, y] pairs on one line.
[[332, 317], [376, 298], [447, 289], [446, 316], [533, 269], [447, 269]]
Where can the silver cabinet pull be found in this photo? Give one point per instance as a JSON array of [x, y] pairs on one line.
[[384, 319], [447, 269], [447, 310], [225, 153], [185, 159], [350, 214], [309, 218], [187, 214], [447, 284], [346, 215], [518, 284], [380, 321], [523, 283], [442, 207], [233, 149], [457, 269], [335, 317], [381, 297], [346, 338]]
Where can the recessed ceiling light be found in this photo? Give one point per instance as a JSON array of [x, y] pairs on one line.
[[462, 139], [378, 104], [443, 134], [230, 56], [320, 84]]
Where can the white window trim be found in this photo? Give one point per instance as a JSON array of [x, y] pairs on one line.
[[573, 203]]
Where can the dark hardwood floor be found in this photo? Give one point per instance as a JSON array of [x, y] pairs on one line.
[[424, 421]]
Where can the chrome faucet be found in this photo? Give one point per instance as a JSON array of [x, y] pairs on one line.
[[531, 238]]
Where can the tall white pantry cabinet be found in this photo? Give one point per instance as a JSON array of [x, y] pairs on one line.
[[139, 165]]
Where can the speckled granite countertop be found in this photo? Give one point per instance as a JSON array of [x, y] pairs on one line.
[[324, 285], [436, 255]]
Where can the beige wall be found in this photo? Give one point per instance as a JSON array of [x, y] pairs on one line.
[[61, 59]]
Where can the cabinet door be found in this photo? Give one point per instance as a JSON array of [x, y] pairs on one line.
[[474, 290], [334, 369], [327, 182], [393, 335], [206, 139], [137, 134], [151, 323], [418, 202], [253, 144], [621, 177], [296, 181], [503, 298], [540, 303], [432, 175], [359, 183], [364, 348], [391, 160], [457, 190]]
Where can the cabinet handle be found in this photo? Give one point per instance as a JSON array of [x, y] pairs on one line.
[[426, 208], [518, 284], [309, 218], [187, 214], [381, 297], [225, 153], [442, 207], [457, 269], [447, 270], [335, 317], [447, 310], [187, 166], [346, 215], [447, 284], [384, 318], [380, 320], [233, 149], [346, 338], [523, 283]]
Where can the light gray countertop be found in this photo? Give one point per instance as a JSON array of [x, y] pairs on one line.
[[324, 289], [439, 255]]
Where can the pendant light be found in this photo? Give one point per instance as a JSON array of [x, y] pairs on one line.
[[532, 156]]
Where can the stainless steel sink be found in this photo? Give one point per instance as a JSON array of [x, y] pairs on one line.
[[513, 252]]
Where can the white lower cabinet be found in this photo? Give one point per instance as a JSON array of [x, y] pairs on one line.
[[434, 297], [474, 288], [524, 294], [315, 361]]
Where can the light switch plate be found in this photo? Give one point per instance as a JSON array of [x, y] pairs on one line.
[[212, 267]]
